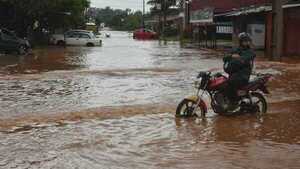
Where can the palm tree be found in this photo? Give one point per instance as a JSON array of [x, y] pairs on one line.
[[162, 8]]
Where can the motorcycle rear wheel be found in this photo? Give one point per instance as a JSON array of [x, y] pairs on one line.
[[260, 102], [186, 108]]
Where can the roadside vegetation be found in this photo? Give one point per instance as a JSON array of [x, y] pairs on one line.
[[35, 18], [162, 10], [117, 19]]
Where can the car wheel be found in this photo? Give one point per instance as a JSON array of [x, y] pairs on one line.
[[22, 50], [90, 45], [60, 43]]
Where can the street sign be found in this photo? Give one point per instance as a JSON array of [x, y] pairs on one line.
[[205, 15]]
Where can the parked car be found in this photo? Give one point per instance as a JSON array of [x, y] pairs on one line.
[[144, 34], [9, 42], [61, 39], [82, 39], [103, 35], [76, 31], [106, 34], [57, 39]]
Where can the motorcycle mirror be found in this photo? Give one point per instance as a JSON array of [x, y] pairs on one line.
[[201, 74]]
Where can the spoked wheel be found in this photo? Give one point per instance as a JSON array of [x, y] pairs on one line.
[[260, 104], [186, 109]]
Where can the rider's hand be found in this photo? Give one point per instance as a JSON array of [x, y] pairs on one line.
[[236, 56]]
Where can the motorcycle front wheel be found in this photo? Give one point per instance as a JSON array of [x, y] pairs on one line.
[[186, 109]]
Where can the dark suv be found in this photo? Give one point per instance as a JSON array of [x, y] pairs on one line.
[[9, 42]]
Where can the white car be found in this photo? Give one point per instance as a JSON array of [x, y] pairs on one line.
[[103, 35], [57, 39], [82, 39]]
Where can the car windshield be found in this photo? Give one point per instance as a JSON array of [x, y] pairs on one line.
[[92, 35], [72, 35], [84, 36]]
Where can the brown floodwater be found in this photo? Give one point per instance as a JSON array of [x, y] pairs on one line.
[[113, 107]]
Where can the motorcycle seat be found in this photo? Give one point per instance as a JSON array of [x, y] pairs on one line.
[[252, 83]]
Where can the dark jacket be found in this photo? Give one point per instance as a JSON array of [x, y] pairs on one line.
[[242, 66]]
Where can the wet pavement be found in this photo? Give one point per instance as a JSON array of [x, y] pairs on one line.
[[113, 107]]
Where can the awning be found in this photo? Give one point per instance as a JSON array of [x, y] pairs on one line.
[[254, 9], [169, 18], [251, 10], [291, 5]]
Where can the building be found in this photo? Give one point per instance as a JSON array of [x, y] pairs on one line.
[[291, 29], [173, 23], [230, 17], [224, 5]]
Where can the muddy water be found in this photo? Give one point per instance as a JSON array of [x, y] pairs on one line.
[[122, 72], [112, 107], [157, 141]]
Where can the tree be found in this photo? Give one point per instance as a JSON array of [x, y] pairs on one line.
[[49, 14], [119, 19], [162, 8], [163, 5]]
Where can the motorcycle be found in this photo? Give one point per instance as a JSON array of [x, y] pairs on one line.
[[251, 97]]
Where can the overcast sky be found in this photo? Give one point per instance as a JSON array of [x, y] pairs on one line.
[[120, 4]]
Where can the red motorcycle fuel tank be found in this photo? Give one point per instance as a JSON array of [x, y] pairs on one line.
[[217, 82]]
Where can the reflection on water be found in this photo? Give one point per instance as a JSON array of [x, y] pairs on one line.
[[113, 106], [157, 141]]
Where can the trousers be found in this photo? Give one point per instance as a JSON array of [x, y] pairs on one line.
[[235, 82]]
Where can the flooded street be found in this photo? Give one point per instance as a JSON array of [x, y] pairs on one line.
[[122, 72], [113, 107]]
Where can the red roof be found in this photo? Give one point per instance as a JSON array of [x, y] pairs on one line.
[[225, 5]]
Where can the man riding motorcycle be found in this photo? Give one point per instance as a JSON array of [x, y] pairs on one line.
[[229, 95], [239, 66]]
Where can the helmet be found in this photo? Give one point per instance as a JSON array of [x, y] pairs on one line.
[[244, 37]]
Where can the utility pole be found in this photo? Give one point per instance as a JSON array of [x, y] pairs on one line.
[[277, 29], [186, 12], [187, 16], [143, 14], [159, 7], [164, 11]]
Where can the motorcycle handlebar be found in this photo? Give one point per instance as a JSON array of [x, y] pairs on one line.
[[202, 74]]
